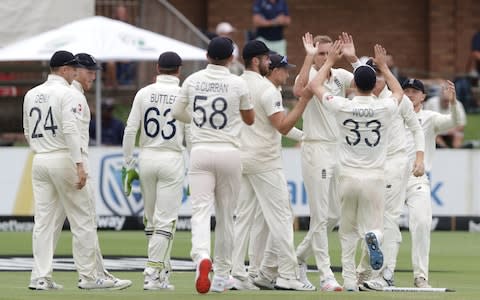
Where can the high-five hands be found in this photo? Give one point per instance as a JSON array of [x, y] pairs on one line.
[[310, 47]]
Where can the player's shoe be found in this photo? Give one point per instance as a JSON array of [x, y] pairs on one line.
[[155, 280], [364, 276], [293, 284], [376, 255], [46, 284], [99, 283], [244, 284], [421, 282], [330, 284], [384, 279], [350, 285], [262, 282], [221, 284], [302, 273], [118, 284], [202, 280]]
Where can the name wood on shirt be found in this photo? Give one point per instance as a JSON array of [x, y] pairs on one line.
[[211, 87], [363, 112], [163, 98]]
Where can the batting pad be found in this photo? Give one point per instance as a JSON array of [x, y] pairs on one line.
[[411, 289]]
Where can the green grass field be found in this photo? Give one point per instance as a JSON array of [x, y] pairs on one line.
[[454, 263]]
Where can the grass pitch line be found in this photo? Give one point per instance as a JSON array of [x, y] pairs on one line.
[[411, 289]]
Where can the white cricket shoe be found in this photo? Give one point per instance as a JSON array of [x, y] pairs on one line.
[[364, 276], [46, 284], [350, 285], [376, 284], [155, 280], [99, 283], [330, 284], [221, 284], [118, 284], [292, 284], [302, 276], [244, 284], [263, 282], [421, 282], [202, 279]]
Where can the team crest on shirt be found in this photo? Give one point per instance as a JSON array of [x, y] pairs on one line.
[[278, 104], [111, 189], [329, 97]]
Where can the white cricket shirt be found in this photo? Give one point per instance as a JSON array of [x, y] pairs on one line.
[[82, 112], [152, 113], [319, 124], [48, 115], [261, 143], [432, 124], [215, 98], [397, 135], [363, 123]]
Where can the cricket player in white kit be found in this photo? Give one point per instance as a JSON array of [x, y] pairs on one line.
[[86, 74], [263, 176], [58, 174], [161, 165], [418, 198], [363, 123], [218, 102], [319, 159], [398, 169]]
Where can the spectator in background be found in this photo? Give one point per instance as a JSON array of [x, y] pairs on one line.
[[112, 128], [226, 29], [124, 72], [452, 138], [270, 17]]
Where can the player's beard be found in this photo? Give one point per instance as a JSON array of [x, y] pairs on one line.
[[263, 69]]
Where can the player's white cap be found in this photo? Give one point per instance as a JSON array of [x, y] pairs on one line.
[[224, 27]]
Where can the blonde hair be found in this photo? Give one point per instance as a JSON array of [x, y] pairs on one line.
[[322, 39]]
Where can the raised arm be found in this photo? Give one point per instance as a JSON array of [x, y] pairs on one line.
[[310, 51], [392, 82], [348, 49], [334, 54]]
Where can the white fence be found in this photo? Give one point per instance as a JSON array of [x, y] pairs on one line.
[[455, 182]]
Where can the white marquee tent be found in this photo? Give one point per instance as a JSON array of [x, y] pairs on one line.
[[106, 39]]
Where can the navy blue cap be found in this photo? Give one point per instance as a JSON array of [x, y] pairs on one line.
[[63, 58], [254, 48], [279, 61], [169, 61], [220, 48], [414, 84], [365, 77], [87, 61]]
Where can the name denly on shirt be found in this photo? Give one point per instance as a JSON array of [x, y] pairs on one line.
[[211, 87], [163, 98], [363, 112], [41, 98]]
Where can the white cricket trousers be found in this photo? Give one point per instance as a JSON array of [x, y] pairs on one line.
[[362, 205], [161, 181], [318, 168], [53, 177], [419, 205], [271, 191], [250, 231], [397, 172], [59, 220], [214, 177]]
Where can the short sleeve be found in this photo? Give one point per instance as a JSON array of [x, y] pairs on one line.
[[284, 8], [183, 93], [257, 7], [245, 98], [271, 101]]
